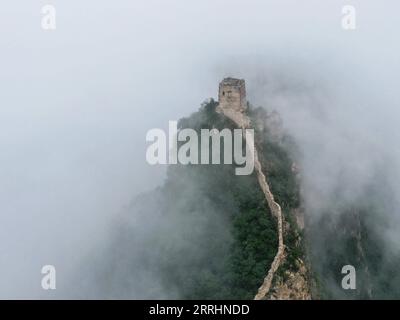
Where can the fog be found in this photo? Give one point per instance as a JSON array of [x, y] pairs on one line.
[[76, 103]]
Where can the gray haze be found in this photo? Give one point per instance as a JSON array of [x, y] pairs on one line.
[[76, 103]]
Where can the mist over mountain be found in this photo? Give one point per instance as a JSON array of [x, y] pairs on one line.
[[76, 103], [206, 233]]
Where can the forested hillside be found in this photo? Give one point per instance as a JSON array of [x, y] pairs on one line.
[[206, 233]]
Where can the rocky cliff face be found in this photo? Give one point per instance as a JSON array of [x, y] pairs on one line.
[[292, 285]]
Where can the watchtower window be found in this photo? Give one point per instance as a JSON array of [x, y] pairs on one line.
[[223, 93], [229, 93]]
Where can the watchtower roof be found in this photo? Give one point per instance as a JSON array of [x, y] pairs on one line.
[[232, 81]]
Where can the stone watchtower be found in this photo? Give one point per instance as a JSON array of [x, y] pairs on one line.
[[232, 94]]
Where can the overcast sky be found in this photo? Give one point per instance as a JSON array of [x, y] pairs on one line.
[[76, 103]]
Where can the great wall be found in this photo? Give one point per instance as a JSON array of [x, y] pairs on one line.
[[233, 104]]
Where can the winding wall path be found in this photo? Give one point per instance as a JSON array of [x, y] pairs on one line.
[[243, 122]]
